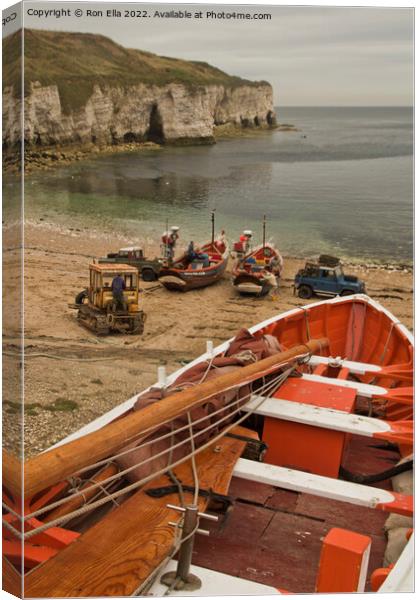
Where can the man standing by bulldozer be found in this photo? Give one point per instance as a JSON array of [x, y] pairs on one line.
[[118, 287]]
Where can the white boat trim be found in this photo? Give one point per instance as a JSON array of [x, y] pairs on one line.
[[363, 389], [358, 368], [249, 288], [316, 416], [213, 583], [401, 577], [308, 483]]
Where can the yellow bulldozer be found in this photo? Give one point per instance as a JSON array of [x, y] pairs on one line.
[[101, 310]]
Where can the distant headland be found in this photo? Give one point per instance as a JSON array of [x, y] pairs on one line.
[[86, 89]]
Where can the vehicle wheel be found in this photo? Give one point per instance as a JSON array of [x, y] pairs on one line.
[[137, 326], [81, 296], [148, 275], [346, 293], [305, 292]]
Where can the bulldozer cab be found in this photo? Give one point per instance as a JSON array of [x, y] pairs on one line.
[[100, 285]]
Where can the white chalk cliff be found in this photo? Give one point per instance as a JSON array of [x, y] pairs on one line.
[[110, 111]]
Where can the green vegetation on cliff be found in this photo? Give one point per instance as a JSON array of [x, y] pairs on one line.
[[75, 62]]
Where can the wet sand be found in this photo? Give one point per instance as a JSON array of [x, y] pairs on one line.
[[72, 376]]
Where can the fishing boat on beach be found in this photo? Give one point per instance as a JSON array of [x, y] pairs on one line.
[[256, 271], [198, 266], [265, 466]]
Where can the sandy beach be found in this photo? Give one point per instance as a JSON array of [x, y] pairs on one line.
[[71, 376]]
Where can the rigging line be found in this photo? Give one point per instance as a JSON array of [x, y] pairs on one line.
[[10, 510], [145, 480], [105, 491], [171, 474], [133, 438], [153, 428], [193, 463], [118, 475], [193, 383], [129, 469], [165, 561], [15, 532], [96, 496], [382, 357], [45, 508], [149, 580]]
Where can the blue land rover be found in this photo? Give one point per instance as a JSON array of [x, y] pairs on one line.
[[326, 278]]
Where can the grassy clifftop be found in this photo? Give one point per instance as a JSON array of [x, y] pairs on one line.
[[75, 62]]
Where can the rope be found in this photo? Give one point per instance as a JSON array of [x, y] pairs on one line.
[[382, 357], [172, 475], [170, 434], [153, 574], [105, 491], [152, 476], [15, 532]]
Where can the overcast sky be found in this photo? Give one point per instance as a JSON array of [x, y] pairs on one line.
[[311, 56]]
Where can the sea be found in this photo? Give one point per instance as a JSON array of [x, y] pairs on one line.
[[342, 184]]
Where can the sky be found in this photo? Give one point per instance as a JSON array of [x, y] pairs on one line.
[[312, 56]]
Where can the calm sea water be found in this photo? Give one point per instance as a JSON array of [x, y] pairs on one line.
[[342, 184]]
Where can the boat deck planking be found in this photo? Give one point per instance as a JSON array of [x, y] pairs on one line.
[[11, 579], [274, 536]]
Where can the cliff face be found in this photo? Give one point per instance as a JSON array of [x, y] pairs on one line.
[[83, 88], [171, 113]]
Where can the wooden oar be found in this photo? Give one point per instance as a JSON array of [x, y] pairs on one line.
[[53, 466]]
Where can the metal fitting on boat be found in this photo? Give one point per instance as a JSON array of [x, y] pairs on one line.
[[182, 579], [335, 361]]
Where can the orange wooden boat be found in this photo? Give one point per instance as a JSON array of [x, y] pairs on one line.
[[289, 434], [186, 274], [205, 266], [258, 272]]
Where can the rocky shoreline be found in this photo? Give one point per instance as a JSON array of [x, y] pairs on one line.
[[51, 157], [45, 159]]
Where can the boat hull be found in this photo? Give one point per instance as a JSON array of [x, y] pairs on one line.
[[261, 276], [249, 285], [374, 345], [184, 280]]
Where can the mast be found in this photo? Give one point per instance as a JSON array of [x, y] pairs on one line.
[[166, 238], [264, 231], [212, 226], [48, 468]]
